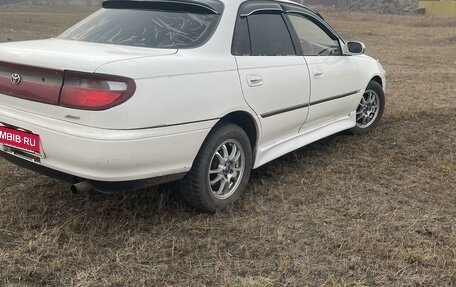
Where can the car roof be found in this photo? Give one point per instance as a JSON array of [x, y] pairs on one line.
[[215, 6]]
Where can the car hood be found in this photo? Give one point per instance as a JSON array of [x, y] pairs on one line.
[[61, 54]]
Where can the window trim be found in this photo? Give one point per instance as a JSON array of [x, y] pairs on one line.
[[233, 41], [291, 8], [294, 35], [251, 7]]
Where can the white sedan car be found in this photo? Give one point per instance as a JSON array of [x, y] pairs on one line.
[[144, 92]]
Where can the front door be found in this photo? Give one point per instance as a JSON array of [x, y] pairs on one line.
[[334, 77]]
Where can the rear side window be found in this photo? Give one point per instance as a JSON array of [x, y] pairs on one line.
[[269, 35], [264, 34], [145, 28]]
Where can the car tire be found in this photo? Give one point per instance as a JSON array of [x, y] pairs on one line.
[[221, 170], [370, 109]]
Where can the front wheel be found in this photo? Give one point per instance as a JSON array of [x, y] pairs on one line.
[[370, 109], [221, 170]]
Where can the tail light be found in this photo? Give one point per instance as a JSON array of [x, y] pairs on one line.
[[94, 91], [77, 90]]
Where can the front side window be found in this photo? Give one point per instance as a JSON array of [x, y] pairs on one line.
[[145, 28], [313, 39]]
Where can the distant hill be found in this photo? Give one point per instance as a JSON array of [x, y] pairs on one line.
[[384, 6], [379, 6], [5, 2], [52, 2]]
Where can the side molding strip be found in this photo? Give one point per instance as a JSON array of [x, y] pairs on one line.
[[285, 110], [334, 98], [297, 107]]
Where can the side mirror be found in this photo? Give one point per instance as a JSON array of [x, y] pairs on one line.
[[355, 48]]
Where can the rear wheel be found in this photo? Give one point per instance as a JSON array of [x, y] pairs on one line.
[[370, 109], [221, 170]]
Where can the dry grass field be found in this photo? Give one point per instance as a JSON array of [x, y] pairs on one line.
[[375, 210]]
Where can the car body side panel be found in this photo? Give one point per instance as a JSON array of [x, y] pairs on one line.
[[285, 85], [332, 77], [174, 91], [270, 152], [368, 68]]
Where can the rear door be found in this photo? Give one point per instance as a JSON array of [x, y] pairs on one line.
[[275, 79]]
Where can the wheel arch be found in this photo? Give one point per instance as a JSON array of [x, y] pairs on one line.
[[247, 122], [377, 79]]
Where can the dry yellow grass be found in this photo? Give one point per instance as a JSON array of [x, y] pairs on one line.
[[375, 210]]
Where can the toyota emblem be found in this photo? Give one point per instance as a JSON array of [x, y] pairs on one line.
[[16, 79]]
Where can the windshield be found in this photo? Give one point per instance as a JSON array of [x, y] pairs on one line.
[[145, 28]]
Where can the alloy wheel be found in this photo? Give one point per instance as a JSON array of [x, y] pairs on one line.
[[368, 109], [226, 169]]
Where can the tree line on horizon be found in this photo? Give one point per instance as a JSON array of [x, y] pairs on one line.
[[51, 2]]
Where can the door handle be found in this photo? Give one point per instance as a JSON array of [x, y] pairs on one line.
[[318, 75], [254, 80]]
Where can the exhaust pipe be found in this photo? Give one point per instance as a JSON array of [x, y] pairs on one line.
[[81, 187]]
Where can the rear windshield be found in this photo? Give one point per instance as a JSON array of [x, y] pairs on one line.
[[145, 28]]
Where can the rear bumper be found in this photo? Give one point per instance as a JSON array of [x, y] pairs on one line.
[[102, 155], [104, 186]]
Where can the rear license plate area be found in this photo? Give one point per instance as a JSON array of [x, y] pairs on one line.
[[20, 143]]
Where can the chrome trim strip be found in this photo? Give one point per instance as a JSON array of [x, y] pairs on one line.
[[171, 125]]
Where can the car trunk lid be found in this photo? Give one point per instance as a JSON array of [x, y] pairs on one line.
[[35, 70], [31, 83], [58, 54]]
